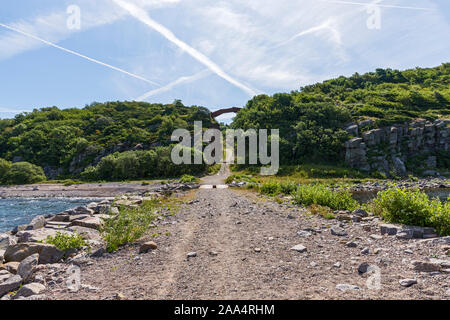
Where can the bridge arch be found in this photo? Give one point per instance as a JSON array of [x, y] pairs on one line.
[[217, 113]]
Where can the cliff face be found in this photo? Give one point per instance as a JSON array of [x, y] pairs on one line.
[[388, 149]]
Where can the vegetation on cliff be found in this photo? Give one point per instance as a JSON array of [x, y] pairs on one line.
[[312, 120], [70, 140]]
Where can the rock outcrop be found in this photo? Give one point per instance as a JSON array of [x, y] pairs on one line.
[[387, 149]]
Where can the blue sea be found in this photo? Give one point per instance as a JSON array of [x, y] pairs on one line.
[[17, 211]]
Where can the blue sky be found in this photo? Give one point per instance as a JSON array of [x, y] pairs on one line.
[[210, 53]]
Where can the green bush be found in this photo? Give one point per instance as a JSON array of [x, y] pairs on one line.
[[412, 207], [65, 241], [4, 168], [288, 187], [24, 173], [240, 178], [185, 178], [132, 165], [318, 194], [270, 188], [128, 226]]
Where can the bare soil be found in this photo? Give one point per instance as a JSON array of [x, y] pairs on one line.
[[243, 242]]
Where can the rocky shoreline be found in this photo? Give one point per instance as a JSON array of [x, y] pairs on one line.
[[26, 261]]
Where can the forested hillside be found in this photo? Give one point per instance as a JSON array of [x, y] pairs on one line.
[[115, 135], [312, 120], [64, 142]]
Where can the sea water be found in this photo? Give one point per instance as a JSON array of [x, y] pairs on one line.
[[18, 211]]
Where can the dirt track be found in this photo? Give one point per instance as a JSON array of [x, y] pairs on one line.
[[243, 252]]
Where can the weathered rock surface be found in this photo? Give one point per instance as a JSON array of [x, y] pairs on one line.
[[404, 141], [37, 223], [89, 222], [11, 284], [299, 248], [47, 252], [25, 269], [147, 246], [30, 289]]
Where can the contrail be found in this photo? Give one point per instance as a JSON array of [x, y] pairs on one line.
[[78, 54], [172, 84], [323, 26], [142, 16], [378, 5]]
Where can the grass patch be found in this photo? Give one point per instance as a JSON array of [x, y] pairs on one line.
[[185, 178], [65, 241], [270, 188], [412, 207], [129, 225], [318, 194], [325, 212], [241, 178]]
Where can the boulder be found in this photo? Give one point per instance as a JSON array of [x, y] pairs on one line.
[[6, 240], [147, 246], [11, 284], [299, 248], [84, 210], [389, 229], [37, 223], [360, 213], [86, 233], [346, 287], [11, 267], [338, 231], [30, 289], [19, 228], [407, 282], [27, 265], [37, 235], [47, 253], [399, 166], [5, 275], [426, 266], [90, 222]]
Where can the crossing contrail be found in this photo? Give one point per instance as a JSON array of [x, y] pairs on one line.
[[142, 16], [172, 84], [78, 54]]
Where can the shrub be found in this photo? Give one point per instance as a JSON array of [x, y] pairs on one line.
[[65, 241], [412, 207], [24, 173], [4, 167], [185, 178], [321, 210], [132, 165], [128, 226], [270, 188], [239, 178], [321, 195], [288, 187]]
